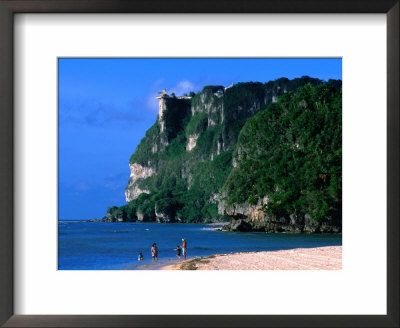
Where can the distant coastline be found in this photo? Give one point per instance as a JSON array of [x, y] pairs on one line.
[[218, 224]]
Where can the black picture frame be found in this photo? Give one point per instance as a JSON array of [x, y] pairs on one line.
[[10, 7]]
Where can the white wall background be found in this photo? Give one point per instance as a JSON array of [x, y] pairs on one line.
[[360, 288]]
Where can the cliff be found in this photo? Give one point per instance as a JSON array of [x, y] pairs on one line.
[[183, 167], [287, 172]]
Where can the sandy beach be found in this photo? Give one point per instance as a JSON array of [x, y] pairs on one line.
[[320, 258]]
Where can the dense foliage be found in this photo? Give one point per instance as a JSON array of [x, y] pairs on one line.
[[283, 136], [292, 153], [178, 198], [197, 124], [186, 181], [143, 153]]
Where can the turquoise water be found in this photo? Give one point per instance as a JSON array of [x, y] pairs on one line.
[[115, 246]]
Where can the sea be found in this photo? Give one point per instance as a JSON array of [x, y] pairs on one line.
[[115, 246]]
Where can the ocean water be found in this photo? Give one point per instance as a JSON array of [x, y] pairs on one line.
[[115, 246]]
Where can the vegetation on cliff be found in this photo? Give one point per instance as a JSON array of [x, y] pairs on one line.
[[292, 153], [283, 137]]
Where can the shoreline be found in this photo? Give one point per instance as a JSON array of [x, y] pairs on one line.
[[217, 226], [316, 258]]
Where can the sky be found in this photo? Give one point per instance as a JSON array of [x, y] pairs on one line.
[[105, 106]]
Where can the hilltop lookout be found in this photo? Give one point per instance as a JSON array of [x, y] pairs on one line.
[[178, 105], [164, 95]]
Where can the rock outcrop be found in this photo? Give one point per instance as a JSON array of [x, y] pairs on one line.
[[247, 217], [191, 142], [138, 172]]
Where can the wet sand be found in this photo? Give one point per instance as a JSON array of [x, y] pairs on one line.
[[320, 258]]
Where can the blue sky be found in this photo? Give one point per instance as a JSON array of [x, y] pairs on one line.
[[106, 105]]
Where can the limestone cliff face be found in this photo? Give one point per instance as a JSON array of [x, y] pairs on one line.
[[172, 111], [173, 162], [162, 106], [210, 101], [247, 217], [138, 172]]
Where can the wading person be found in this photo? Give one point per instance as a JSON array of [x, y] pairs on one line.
[[154, 252], [140, 257], [184, 248]]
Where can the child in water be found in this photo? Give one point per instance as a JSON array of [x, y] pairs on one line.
[[178, 251], [140, 257]]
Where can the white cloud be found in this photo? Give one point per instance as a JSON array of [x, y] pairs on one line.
[[182, 87]]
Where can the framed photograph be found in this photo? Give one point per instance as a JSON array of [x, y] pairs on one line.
[[185, 174], [134, 133]]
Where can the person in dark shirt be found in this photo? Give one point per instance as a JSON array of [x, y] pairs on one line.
[[178, 251]]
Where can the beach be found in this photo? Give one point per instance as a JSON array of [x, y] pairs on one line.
[[318, 258], [115, 246]]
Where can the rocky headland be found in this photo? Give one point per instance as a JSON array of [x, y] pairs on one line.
[[265, 156]]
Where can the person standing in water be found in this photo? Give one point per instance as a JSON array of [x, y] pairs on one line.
[[178, 251], [184, 248], [154, 252]]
